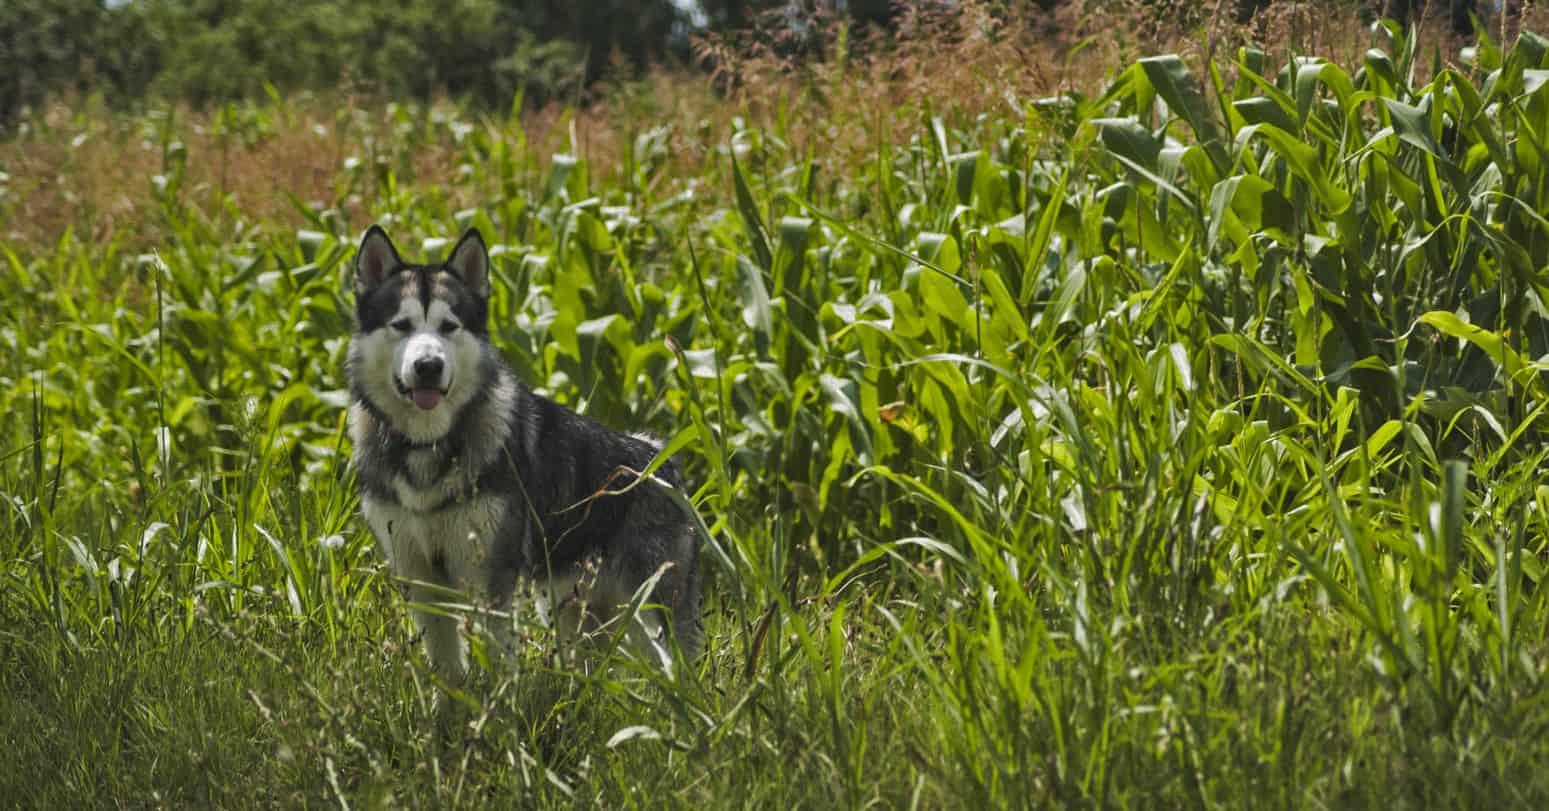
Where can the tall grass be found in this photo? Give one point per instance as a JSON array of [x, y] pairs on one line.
[[1178, 444]]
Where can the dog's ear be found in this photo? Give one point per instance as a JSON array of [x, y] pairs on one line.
[[376, 260], [470, 261]]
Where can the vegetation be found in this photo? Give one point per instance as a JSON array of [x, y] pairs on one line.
[[207, 52], [1177, 444], [211, 51]]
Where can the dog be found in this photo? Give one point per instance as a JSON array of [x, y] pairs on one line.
[[476, 485]]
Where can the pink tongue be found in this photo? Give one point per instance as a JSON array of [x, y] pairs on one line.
[[427, 398]]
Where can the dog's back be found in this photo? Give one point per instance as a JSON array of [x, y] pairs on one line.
[[592, 515]]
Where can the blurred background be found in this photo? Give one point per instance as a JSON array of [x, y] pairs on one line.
[[215, 50], [203, 51]]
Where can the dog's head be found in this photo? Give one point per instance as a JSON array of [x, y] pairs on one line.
[[417, 352]]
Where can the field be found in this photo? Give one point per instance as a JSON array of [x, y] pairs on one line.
[[1176, 443]]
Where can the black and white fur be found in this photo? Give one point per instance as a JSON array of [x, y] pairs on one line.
[[473, 483]]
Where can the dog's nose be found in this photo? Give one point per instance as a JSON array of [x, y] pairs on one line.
[[428, 369]]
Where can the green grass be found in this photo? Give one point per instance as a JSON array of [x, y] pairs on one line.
[[1181, 446]]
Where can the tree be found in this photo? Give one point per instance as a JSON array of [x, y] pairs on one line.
[[60, 46]]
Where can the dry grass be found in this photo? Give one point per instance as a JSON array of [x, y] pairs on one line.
[[95, 172], [76, 166]]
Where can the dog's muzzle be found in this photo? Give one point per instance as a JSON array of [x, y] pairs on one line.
[[424, 386], [422, 375]]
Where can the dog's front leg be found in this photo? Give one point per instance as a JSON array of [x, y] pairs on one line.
[[438, 627], [488, 587], [431, 591]]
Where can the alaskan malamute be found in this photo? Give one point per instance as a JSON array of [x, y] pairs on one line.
[[476, 485]]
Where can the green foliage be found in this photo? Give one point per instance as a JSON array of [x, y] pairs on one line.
[[213, 50], [1181, 446], [216, 51], [58, 46]]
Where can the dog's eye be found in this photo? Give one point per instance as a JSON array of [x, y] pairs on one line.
[[449, 327], [401, 325]]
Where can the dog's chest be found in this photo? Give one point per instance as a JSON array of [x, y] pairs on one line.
[[427, 480], [456, 540]]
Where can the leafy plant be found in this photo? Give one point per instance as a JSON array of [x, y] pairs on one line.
[[1180, 442]]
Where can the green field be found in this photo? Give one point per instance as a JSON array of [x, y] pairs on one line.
[[1179, 443]]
